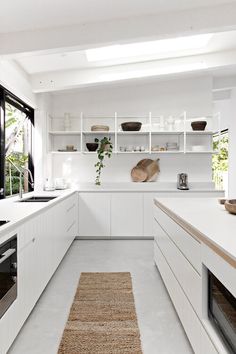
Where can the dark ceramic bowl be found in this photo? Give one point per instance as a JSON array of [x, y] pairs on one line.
[[222, 201], [230, 206], [92, 146], [131, 126], [199, 125]]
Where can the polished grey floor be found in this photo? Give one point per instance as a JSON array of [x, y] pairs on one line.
[[161, 331]]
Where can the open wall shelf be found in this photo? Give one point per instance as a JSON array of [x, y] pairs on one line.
[[153, 138]]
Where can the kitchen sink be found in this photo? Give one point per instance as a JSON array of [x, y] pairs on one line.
[[35, 199], [3, 222]]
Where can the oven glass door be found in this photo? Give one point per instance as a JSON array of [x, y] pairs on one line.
[[222, 311], [8, 274]]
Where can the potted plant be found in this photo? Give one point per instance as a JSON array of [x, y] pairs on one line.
[[105, 148]]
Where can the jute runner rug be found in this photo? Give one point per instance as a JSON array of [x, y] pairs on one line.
[[102, 318]]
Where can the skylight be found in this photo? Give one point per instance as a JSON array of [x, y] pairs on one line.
[[163, 46]]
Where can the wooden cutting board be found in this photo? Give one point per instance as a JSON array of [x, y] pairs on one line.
[[145, 170]]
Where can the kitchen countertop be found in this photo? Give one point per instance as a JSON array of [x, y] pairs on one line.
[[195, 187], [205, 219], [16, 213]]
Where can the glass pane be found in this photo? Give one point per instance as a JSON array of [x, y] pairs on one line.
[[17, 135], [220, 161]]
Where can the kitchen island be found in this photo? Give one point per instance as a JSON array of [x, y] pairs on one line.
[[195, 240]]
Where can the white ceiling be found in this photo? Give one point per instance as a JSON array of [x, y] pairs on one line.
[[25, 15], [52, 52], [34, 64]]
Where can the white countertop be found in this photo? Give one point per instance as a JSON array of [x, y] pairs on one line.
[[205, 217], [195, 187], [16, 213]]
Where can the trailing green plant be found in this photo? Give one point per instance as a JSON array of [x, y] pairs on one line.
[[104, 149]]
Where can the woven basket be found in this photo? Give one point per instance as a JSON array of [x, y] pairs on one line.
[[100, 128]]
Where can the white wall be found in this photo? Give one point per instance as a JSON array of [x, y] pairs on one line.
[[16, 80], [232, 146], [160, 97], [42, 159], [118, 168], [224, 107], [168, 98]]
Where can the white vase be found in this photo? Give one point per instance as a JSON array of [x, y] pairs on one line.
[[67, 122]]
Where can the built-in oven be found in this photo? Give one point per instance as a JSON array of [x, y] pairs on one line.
[[8, 274], [222, 311]]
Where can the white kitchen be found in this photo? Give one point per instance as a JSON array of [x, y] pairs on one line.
[[117, 177]]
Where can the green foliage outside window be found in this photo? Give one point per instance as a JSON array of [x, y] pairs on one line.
[[220, 161], [15, 148]]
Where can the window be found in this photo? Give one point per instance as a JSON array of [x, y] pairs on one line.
[[220, 161], [16, 123]]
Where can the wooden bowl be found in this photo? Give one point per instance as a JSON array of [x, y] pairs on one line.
[[230, 206], [199, 125], [131, 126], [92, 146]]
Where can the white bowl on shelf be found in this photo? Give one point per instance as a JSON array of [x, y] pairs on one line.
[[198, 148]]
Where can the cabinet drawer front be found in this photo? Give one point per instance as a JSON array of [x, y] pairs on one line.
[[189, 246], [192, 325], [71, 215], [182, 269], [182, 306]]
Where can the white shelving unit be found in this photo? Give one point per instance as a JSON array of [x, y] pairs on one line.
[[64, 132], [156, 131]]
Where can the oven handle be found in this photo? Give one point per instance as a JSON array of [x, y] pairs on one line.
[[7, 254]]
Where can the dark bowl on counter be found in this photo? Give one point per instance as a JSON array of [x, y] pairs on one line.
[[199, 125], [230, 206], [222, 201], [92, 146], [131, 126]]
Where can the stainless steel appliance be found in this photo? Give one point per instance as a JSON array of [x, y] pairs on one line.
[[8, 274], [222, 311], [182, 181]]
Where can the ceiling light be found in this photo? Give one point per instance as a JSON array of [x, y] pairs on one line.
[[148, 48]]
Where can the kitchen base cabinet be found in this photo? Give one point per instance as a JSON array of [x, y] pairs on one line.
[[126, 215], [178, 258], [148, 214], [193, 327], [43, 241], [184, 271], [118, 214], [94, 215]]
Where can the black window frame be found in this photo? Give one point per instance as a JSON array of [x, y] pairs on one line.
[[8, 97]]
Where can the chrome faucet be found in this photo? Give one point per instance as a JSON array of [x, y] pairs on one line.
[[31, 182], [21, 169]]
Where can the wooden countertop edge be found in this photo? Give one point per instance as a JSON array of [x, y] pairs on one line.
[[196, 234]]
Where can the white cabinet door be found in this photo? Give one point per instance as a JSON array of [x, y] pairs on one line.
[[28, 266], [94, 214], [127, 215], [148, 200], [71, 217]]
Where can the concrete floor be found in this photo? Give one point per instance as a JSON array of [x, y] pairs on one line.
[[161, 331]]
